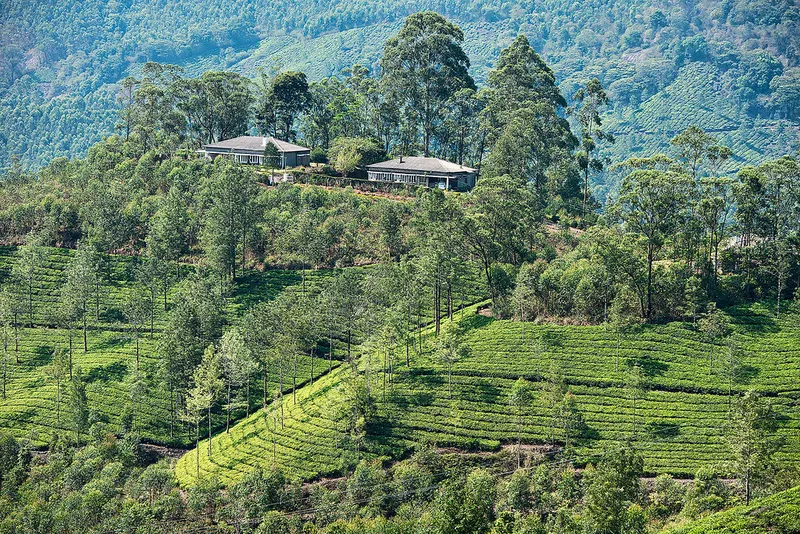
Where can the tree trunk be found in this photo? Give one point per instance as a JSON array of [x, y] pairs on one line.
[[85, 344], [228, 415], [649, 282], [197, 447], [209, 431], [294, 379]]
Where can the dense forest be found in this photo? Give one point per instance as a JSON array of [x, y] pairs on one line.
[[197, 346], [731, 66]]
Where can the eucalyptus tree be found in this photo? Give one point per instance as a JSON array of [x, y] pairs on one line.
[[216, 106], [751, 437], [207, 384], [500, 221], [423, 66], [523, 117], [29, 260], [136, 308], [6, 321], [695, 148], [636, 389], [651, 204], [520, 399], [591, 99], [237, 366], [714, 326], [290, 97], [230, 193], [81, 285], [449, 348]]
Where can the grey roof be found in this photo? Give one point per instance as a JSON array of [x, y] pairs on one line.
[[420, 164], [256, 144]]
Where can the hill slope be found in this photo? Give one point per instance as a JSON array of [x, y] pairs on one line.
[[779, 513], [62, 59], [30, 409], [680, 421]]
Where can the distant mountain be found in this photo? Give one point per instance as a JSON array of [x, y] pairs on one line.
[[732, 67]]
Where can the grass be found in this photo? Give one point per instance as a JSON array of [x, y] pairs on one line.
[[779, 513], [680, 422]]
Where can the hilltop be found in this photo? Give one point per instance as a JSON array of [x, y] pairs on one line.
[[732, 67]]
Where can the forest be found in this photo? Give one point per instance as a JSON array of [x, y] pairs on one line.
[[189, 349], [731, 66]]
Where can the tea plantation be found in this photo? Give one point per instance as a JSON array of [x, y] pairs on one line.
[[680, 419], [776, 513], [30, 408]]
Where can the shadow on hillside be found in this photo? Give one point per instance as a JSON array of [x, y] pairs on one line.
[[113, 342], [112, 315], [112, 372], [755, 318], [42, 355], [253, 287], [661, 430], [484, 391], [427, 377], [746, 373], [550, 339], [650, 366], [419, 398], [475, 321]]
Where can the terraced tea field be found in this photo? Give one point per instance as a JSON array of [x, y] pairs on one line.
[[778, 513], [680, 420], [30, 408]]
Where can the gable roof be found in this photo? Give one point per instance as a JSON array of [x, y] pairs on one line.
[[420, 164], [255, 144]]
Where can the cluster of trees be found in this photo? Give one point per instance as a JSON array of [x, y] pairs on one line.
[[79, 57], [677, 237], [424, 101], [112, 484]]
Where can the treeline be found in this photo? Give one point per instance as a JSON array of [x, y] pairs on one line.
[[423, 102], [94, 44], [107, 485]]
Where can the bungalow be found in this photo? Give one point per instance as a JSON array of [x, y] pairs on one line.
[[249, 150], [430, 172]]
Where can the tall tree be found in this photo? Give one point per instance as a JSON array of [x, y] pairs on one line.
[[217, 105], [651, 203], [500, 219], [591, 99], [236, 363], [290, 97], [231, 195], [714, 326], [424, 65], [137, 310], [753, 444], [636, 389], [695, 148], [208, 383], [78, 405], [449, 348], [520, 398], [81, 285], [29, 260]]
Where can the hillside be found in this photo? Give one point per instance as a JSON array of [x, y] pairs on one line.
[[58, 83], [681, 419], [30, 408], [776, 513]]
